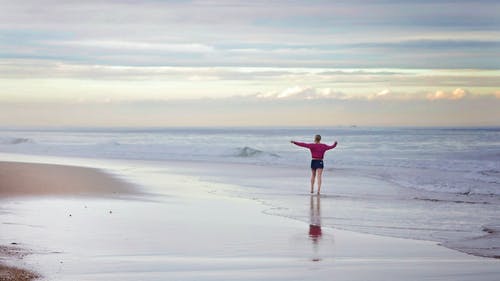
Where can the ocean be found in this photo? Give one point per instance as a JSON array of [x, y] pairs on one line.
[[437, 184]]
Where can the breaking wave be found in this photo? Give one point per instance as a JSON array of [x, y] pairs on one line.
[[16, 140], [248, 152]]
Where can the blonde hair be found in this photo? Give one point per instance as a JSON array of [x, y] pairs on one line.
[[317, 138]]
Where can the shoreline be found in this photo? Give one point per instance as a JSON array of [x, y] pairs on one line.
[[193, 206], [9, 272]]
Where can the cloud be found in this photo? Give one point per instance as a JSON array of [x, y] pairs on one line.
[[50, 80], [456, 94], [431, 44], [312, 93], [253, 111], [355, 79], [385, 93], [306, 93], [418, 34], [138, 46]]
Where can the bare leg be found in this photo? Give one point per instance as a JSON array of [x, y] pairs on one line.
[[320, 173], [313, 177]]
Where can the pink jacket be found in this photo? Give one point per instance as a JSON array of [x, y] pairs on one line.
[[317, 149]]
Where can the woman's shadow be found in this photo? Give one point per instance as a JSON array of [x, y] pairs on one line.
[[315, 232]]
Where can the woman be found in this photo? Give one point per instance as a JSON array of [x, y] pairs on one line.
[[318, 150]]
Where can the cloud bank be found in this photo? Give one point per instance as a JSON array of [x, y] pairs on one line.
[[332, 34], [311, 93], [292, 110]]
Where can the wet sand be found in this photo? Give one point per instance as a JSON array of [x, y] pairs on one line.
[[42, 180], [14, 273]]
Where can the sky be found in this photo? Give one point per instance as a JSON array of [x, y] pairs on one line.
[[249, 63]]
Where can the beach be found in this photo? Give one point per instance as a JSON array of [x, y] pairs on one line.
[[36, 180], [175, 140], [28, 179], [181, 224]]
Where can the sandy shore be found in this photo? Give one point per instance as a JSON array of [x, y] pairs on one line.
[[13, 273], [35, 180], [29, 179], [194, 232]]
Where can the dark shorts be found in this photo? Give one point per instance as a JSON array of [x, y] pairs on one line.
[[316, 164]]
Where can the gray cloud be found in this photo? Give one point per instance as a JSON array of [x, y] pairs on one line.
[[407, 34]]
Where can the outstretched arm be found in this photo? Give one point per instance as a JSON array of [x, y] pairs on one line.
[[333, 145], [300, 143]]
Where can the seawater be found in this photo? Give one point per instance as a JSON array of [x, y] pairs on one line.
[[439, 184], [448, 160]]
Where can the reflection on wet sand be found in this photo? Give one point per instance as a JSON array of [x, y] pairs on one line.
[[315, 225]]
